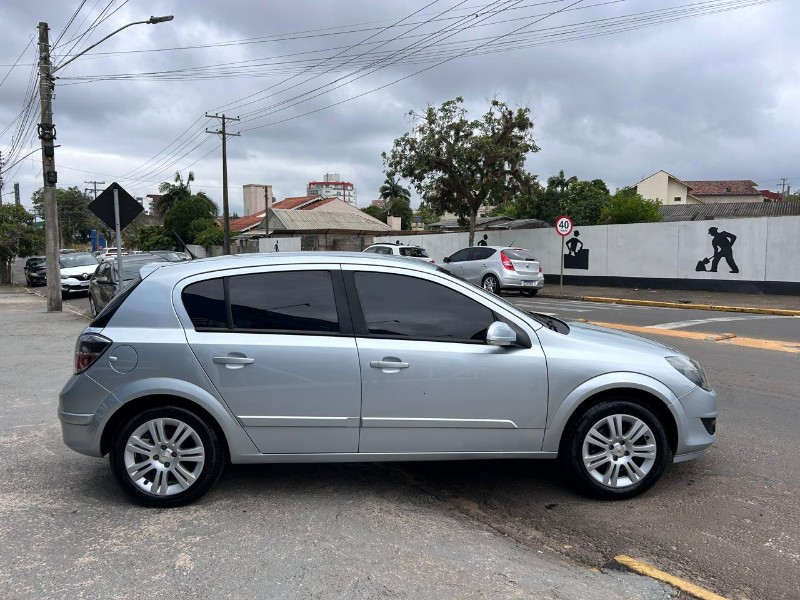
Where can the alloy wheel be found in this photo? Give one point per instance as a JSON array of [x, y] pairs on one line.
[[490, 284], [619, 450]]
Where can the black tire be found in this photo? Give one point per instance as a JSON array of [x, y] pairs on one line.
[[491, 284], [28, 281], [529, 293], [203, 440], [618, 456]]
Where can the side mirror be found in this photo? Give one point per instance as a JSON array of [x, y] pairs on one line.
[[446, 259], [500, 334], [102, 280]]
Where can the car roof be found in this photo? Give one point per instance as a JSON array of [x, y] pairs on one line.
[[179, 270], [391, 245]]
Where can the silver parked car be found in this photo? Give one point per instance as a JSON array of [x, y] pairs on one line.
[[321, 357], [497, 268]]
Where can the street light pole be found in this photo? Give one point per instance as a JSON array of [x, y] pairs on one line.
[[47, 134]]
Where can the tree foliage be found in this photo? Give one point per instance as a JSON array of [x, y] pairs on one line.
[[628, 206], [560, 183], [155, 237], [400, 207], [185, 211], [17, 237], [459, 165], [392, 190], [75, 220], [210, 235], [584, 201]]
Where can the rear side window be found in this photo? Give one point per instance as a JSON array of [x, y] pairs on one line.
[[205, 303], [301, 301], [105, 315], [482, 253], [414, 251]]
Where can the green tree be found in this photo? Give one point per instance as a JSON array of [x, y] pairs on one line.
[[628, 206], [376, 212], [17, 237], [392, 190], [459, 165], [155, 237], [427, 214], [560, 183], [400, 207], [211, 235], [172, 192], [185, 211], [75, 220], [584, 201]]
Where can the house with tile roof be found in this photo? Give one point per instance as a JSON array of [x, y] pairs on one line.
[[671, 191]]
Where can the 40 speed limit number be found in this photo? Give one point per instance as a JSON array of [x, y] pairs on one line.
[[564, 226]]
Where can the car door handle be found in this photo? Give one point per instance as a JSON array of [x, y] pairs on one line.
[[233, 360], [388, 364]]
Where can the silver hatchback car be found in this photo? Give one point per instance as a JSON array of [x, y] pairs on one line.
[[497, 268], [315, 357]]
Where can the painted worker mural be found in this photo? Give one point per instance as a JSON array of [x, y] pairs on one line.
[[577, 257], [722, 244]]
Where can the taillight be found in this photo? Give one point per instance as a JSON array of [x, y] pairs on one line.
[[88, 349], [507, 264], [540, 269]]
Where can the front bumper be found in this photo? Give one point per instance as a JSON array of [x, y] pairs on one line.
[[694, 436], [73, 284]]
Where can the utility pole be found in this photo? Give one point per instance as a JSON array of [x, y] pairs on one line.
[[95, 184], [1, 177], [226, 224], [783, 188], [47, 134]]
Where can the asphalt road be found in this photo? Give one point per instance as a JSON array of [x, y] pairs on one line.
[[729, 521]]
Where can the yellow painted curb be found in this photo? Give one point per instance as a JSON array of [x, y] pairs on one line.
[[776, 345], [740, 309], [650, 571]]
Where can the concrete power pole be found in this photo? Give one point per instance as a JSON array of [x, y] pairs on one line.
[[1, 178], [783, 188], [226, 224], [95, 184], [47, 134], [16, 194]]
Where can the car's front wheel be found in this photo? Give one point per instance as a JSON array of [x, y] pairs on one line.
[[616, 449], [166, 457]]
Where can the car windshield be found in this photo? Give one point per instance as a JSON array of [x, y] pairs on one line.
[[169, 255], [519, 254], [35, 262], [414, 251], [77, 260], [131, 268]]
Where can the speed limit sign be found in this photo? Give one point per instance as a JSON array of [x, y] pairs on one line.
[[564, 226]]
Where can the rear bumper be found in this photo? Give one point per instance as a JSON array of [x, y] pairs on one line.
[[521, 280]]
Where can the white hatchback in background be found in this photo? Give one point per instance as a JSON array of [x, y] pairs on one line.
[[400, 250], [111, 253]]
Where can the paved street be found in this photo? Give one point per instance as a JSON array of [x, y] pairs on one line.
[[729, 521]]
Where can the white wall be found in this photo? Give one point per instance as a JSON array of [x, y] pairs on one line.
[[285, 244], [766, 249]]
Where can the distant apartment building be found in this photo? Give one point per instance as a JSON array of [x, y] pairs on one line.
[[153, 205], [333, 187], [257, 198]]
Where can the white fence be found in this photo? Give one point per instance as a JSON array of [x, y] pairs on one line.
[[753, 255]]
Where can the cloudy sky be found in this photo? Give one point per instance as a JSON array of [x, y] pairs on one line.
[[617, 89]]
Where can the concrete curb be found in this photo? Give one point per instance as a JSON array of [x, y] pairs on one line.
[[659, 304], [648, 570]]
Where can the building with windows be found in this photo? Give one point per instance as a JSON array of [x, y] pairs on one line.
[[257, 198], [671, 191], [332, 186]]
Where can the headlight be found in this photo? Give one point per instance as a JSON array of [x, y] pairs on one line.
[[65, 277], [690, 369]]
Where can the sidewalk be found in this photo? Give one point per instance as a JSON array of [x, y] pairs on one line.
[[757, 303]]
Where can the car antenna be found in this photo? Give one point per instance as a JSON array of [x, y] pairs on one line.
[[185, 247]]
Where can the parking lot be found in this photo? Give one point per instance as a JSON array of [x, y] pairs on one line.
[[729, 521]]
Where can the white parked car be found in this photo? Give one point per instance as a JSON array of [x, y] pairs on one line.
[[76, 269], [110, 253], [400, 250]]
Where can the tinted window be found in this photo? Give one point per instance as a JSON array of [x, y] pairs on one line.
[[291, 301], [519, 254], [402, 306], [205, 303], [383, 250], [461, 255], [77, 260], [371, 250], [482, 253], [414, 251]]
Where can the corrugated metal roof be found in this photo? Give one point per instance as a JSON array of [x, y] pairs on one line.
[[321, 219], [733, 210]]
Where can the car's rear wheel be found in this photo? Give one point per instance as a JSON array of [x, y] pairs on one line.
[[490, 284], [529, 293], [166, 457], [615, 450]]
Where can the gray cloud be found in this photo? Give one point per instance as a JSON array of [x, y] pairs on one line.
[[710, 97]]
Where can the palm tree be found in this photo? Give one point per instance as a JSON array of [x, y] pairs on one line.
[[560, 182], [392, 190], [172, 192]]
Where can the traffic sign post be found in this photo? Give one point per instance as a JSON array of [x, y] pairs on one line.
[[563, 228], [116, 208]]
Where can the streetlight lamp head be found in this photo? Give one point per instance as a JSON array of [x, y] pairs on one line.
[[154, 20]]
